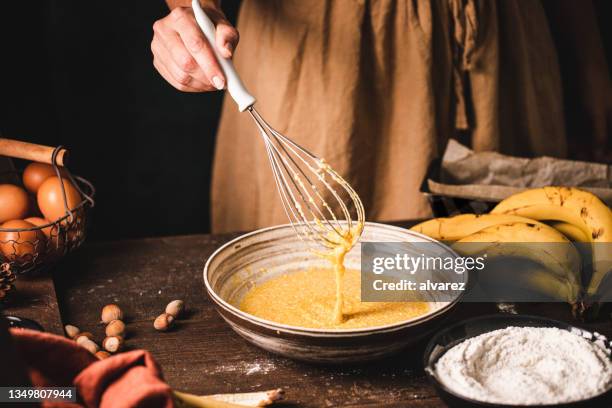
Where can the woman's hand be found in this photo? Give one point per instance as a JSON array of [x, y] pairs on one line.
[[184, 57]]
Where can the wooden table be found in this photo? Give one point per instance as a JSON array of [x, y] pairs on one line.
[[202, 355]]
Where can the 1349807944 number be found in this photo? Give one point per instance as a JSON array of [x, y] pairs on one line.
[[34, 394]]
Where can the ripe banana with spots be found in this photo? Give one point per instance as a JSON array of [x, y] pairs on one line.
[[542, 281], [551, 286], [573, 206], [461, 226], [524, 281], [571, 232], [556, 252]]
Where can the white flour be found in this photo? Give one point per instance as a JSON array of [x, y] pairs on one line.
[[526, 366]]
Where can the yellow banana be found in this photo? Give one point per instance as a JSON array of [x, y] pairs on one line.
[[247, 399], [540, 280], [184, 400], [573, 206], [571, 232], [461, 226], [556, 252], [568, 204]]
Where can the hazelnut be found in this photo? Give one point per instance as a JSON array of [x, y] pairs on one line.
[[83, 336], [89, 346], [175, 308], [111, 312], [112, 344], [102, 354], [115, 328], [71, 331], [163, 322]]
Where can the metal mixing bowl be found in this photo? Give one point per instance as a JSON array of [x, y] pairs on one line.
[[253, 258]]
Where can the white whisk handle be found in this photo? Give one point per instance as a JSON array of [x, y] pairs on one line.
[[234, 84]]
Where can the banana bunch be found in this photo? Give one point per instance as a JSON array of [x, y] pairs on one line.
[[579, 208], [548, 215], [461, 226], [562, 261]]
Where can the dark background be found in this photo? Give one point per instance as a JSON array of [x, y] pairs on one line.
[[80, 74]]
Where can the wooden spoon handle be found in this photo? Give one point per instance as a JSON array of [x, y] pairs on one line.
[[31, 151]]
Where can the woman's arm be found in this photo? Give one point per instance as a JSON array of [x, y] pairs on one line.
[[172, 4]]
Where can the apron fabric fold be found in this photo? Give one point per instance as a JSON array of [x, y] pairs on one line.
[[376, 88]]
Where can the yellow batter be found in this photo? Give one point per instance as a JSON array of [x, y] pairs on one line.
[[336, 255], [308, 299], [324, 298]]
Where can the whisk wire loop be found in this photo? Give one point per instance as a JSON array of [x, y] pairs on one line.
[[303, 180], [303, 201]]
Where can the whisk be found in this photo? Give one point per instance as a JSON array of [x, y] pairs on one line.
[[305, 182]]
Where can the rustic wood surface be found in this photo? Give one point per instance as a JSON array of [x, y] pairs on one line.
[[202, 355], [35, 299]]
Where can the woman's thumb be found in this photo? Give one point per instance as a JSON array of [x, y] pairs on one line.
[[226, 38]]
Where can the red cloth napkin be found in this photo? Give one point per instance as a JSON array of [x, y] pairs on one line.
[[130, 379]]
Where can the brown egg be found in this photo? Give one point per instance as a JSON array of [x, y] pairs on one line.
[[36, 173], [23, 245], [14, 202], [55, 244], [51, 200], [37, 221]]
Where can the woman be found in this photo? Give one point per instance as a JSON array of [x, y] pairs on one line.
[[374, 87]]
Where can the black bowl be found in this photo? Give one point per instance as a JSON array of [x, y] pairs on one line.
[[451, 336]]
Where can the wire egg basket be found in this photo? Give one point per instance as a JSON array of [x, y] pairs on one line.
[[33, 250]]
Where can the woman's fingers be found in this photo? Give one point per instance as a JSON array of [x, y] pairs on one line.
[[183, 79], [180, 64], [163, 71], [197, 45], [182, 54]]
